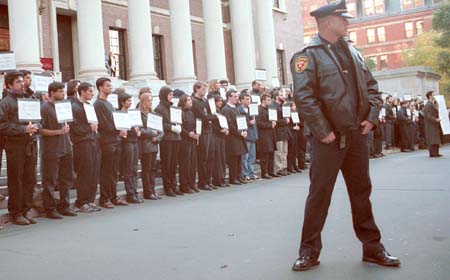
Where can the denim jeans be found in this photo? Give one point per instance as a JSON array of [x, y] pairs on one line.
[[248, 160]]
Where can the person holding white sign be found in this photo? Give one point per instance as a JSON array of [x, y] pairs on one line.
[[129, 155], [148, 147], [21, 155], [57, 157], [282, 133], [110, 146], [293, 142], [169, 144], [266, 138], [432, 125], [235, 142], [205, 148], [219, 136], [86, 151], [188, 146], [248, 159]]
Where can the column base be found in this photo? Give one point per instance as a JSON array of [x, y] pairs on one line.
[[89, 74], [185, 84], [32, 67], [154, 84]]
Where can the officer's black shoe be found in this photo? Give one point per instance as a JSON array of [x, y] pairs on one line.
[[304, 263], [381, 258]]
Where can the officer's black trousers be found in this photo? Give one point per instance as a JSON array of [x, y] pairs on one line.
[[220, 162], [109, 171], [205, 158], [169, 160], [86, 161], [353, 162], [21, 162], [128, 168], [188, 163], [266, 163], [57, 171], [148, 173]]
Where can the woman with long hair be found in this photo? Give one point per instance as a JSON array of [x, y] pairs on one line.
[[148, 147]]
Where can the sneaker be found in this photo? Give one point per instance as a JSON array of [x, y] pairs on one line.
[[20, 220], [85, 208], [94, 207], [254, 177], [67, 212], [119, 202]]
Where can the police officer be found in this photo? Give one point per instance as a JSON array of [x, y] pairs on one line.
[[339, 99]]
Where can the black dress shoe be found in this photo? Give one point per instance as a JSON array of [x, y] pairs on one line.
[[205, 188], [67, 212], [54, 215], [304, 263], [236, 183], [169, 192], [381, 258], [242, 181], [274, 175], [177, 192], [266, 176], [211, 186]]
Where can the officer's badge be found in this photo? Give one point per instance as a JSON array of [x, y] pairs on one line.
[[301, 63]]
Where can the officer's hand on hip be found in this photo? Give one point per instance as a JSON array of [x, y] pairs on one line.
[[366, 127], [329, 138]]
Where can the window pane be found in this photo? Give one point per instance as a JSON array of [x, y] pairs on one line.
[[383, 62], [352, 36], [379, 6], [369, 8], [371, 35], [409, 29], [407, 4], [381, 34], [419, 27]]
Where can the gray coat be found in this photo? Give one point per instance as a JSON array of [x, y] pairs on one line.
[[146, 145], [432, 127]]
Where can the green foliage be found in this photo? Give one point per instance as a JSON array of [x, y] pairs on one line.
[[372, 65], [441, 19]]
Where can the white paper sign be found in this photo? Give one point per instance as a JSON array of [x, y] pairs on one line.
[[198, 126], [255, 99], [223, 94], [121, 120], [294, 117], [443, 114], [29, 110], [41, 83], [7, 61], [286, 111], [155, 102], [135, 118], [212, 106], [275, 82], [64, 111], [175, 101], [273, 116], [114, 100], [222, 121], [91, 116], [155, 122], [408, 112], [383, 112], [253, 109], [241, 122], [176, 115]]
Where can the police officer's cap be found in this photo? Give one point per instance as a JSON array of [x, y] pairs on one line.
[[337, 8]]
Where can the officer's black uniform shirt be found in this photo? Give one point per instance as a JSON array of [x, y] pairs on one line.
[[57, 145]]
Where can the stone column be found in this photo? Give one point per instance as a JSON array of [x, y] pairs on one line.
[[140, 41], [215, 45], [90, 40], [181, 36], [24, 36], [266, 39], [243, 42], [55, 45]]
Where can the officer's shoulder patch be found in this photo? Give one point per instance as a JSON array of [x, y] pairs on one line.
[[301, 63]]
